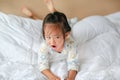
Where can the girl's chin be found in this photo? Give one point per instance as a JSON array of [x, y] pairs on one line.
[[55, 49]]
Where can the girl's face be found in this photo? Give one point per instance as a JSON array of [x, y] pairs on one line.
[[54, 37]]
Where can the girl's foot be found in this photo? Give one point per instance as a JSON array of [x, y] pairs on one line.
[[27, 12], [50, 5]]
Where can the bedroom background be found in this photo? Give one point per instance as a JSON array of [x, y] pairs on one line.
[[98, 39], [72, 8]]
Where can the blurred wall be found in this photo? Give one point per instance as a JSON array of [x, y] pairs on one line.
[[72, 8]]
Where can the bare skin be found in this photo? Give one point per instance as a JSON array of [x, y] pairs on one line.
[[30, 14], [50, 5], [50, 75], [71, 75]]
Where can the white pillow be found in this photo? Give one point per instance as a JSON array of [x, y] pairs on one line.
[[90, 27], [72, 21], [115, 18]]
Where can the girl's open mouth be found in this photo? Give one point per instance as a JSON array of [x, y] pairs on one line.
[[53, 46]]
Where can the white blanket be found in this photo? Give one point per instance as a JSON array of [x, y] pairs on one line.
[[99, 47]]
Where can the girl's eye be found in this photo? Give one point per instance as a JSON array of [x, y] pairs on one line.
[[57, 37], [48, 37]]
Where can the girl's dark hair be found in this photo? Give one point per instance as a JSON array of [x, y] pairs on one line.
[[57, 18]]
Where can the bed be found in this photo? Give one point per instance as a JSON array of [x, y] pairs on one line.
[[98, 38]]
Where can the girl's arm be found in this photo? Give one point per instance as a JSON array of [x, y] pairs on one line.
[[50, 75], [43, 61], [72, 61]]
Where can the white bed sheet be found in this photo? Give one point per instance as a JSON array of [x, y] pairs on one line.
[[99, 47]]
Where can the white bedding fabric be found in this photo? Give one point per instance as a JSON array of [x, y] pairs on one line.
[[99, 48]]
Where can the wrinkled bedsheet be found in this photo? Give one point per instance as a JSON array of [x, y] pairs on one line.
[[98, 40]]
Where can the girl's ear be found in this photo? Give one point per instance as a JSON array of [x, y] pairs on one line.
[[67, 34]]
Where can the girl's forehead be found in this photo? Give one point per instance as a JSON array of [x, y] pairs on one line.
[[51, 28], [52, 25]]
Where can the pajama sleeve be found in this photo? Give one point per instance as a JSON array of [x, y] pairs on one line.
[[43, 59], [72, 61]]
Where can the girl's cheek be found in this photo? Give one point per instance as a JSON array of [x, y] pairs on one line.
[[48, 42]]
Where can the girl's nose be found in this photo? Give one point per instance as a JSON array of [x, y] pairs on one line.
[[52, 41]]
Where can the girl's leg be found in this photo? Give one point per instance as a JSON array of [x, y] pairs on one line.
[[28, 13], [50, 5]]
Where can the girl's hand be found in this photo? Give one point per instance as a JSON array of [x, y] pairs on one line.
[[54, 78], [50, 75], [71, 75], [68, 79]]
